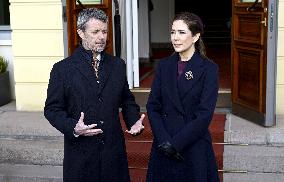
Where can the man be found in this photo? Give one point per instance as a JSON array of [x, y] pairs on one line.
[[84, 95]]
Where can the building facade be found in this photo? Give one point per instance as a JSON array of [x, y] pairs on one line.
[[39, 39]]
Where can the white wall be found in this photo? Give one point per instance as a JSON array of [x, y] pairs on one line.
[[65, 31], [280, 61], [37, 44], [161, 19]]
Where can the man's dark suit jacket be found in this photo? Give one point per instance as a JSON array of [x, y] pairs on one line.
[[73, 89], [180, 111]]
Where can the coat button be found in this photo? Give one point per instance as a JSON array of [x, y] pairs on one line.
[[102, 122], [100, 100]]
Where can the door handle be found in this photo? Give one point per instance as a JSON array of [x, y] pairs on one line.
[[264, 22]]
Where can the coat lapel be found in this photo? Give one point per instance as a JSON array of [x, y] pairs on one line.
[[105, 71], [81, 63], [172, 89], [194, 69]]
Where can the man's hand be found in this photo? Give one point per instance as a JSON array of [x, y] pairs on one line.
[[85, 130], [137, 127]]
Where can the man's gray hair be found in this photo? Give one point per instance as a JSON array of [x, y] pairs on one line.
[[90, 13]]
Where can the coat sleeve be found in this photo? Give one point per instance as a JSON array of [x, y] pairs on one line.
[[130, 110], [55, 109], [196, 128], [154, 110]]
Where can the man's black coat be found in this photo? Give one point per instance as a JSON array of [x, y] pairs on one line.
[[73, 89]]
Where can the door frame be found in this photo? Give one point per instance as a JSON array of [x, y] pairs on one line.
[[272, 36], [70, 9]]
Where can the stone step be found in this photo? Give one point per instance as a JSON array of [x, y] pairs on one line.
[[26, 125], [32, 152], [241, 131], [30, 173], [223, 100], [33, 125], [254, 158], [50, 152], [253, 177]]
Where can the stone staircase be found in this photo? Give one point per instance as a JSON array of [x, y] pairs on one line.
[[31, 150], [254, 153]]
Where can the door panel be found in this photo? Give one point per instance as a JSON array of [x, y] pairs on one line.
[[248, 80], [249, 29], [72, 10], [249, 50]]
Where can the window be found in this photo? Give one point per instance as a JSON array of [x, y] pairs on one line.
[[4, 12]]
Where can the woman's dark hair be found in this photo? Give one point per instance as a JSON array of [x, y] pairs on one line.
[[195, 25]]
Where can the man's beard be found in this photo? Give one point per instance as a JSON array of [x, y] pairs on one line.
[[88, 46], [98, 49]]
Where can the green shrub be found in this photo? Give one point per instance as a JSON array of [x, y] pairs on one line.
[[3, 64]]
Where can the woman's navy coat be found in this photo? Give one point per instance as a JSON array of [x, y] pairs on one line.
[[73, 89], [180, 111]]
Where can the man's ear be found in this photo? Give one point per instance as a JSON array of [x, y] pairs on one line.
[[81, 33], [196, 37]]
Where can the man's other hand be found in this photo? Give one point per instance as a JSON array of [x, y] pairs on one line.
[[138, 127]]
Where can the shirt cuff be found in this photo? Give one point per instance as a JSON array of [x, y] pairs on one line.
[[75, 135]]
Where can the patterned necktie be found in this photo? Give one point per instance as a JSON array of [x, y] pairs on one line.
[[95, 64]]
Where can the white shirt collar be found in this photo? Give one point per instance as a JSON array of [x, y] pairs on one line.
[[98, 57]]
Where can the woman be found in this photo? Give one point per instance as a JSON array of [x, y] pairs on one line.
[[180, 107]]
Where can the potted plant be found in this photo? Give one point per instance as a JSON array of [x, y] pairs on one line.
[[5, 91]]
